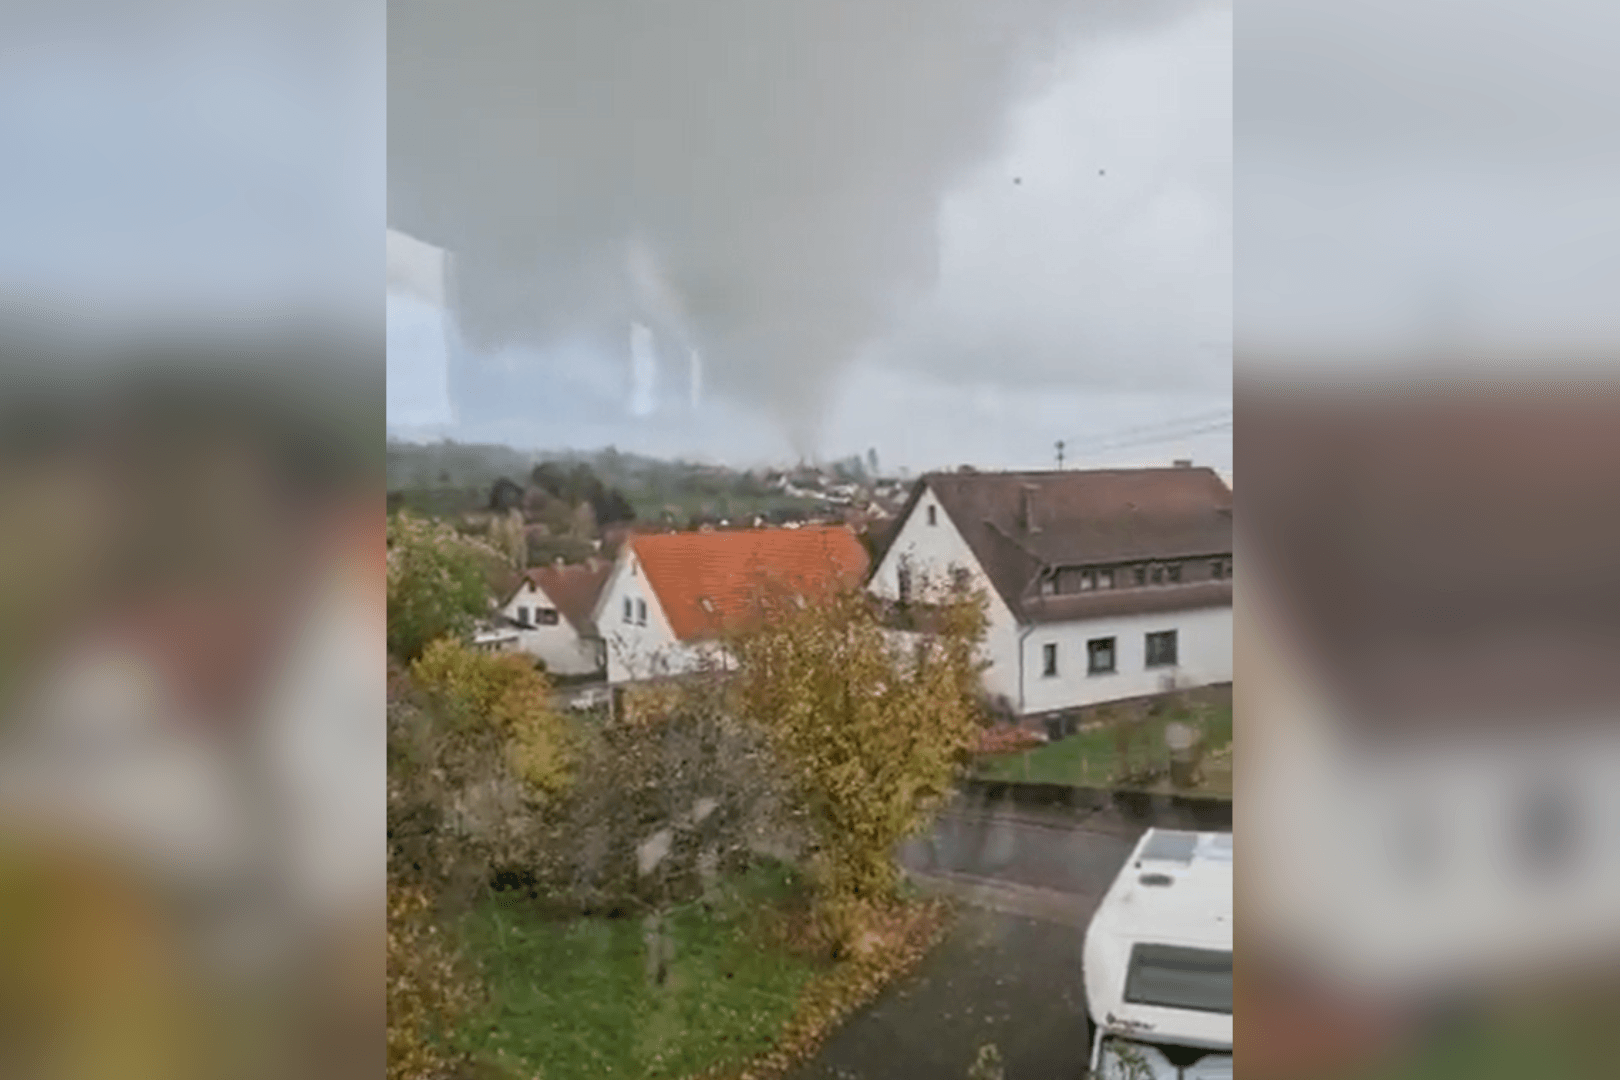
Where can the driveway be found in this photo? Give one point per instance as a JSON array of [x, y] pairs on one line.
[[1008, 973]]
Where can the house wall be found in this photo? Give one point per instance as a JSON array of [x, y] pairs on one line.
[[559, 645], [635, 651], [935, 550], [1204, 656], [1455, 903]]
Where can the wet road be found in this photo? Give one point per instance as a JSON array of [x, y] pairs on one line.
[[1047, 851], [1009, 971]]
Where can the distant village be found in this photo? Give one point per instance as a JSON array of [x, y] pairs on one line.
[[1102, 585]]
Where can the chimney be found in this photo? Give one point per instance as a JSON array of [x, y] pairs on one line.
[[1184, 463], [1027, 509]]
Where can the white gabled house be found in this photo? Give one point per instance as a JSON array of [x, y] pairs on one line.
[[1430, 679], [670, 596], [550, 616], [1103, 585]]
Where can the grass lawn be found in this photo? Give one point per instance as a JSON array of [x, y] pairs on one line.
[[1091, 758], [572, 999]]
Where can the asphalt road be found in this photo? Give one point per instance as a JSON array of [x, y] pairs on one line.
[[1009, 971]]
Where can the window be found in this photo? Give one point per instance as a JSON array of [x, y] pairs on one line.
[[1158, 575], [523, 616], [1088, 581], [961, 578], [1173, 572], [1217, 569], [641, 613], [1105, 579], [1141, 575], [1049, 659], [933, 515], [1161, 649], [1049, 585], [629, 610], [903, 580], [1100, 656], [545, 616], [1172, 977]]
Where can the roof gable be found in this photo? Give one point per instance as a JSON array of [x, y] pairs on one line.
[[573, 589], [709, 582]]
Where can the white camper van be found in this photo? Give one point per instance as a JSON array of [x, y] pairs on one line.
[[1158, 962]]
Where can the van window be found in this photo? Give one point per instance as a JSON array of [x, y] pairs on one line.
[[1174, 977]]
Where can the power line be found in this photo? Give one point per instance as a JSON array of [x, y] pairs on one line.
[[1156, 428], [1124, 444]]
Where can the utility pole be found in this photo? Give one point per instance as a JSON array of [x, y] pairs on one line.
[[1060, 454]]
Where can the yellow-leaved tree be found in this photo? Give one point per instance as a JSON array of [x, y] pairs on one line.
[[504, 694], [874, 725]]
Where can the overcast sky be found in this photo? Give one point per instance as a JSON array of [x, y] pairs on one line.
[[1426, 178], [1060, 268], [181, 161]]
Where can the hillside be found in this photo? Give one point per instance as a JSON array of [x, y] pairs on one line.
[[449, 479]]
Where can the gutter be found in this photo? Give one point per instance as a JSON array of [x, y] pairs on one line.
[[1023, 635]]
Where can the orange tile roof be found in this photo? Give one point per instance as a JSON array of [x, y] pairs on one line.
[[707, 581]]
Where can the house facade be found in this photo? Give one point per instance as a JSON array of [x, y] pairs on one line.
[[550, 616], [1102, 585], [1430, 679], [670, 597]]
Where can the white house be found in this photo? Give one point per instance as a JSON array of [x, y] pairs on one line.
[[671, 595], [1102, 585], [1431, 764], [550, 617]]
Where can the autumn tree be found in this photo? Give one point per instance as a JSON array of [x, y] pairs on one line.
[[477, 762], [438, 582], [508, 535], [873, 725], [672, 791]]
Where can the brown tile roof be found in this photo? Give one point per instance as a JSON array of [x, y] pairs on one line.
[[574, 588], [1442, 553], [1086, 517], [707, 582]]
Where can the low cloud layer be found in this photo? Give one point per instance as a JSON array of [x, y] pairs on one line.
[[765, 184]]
